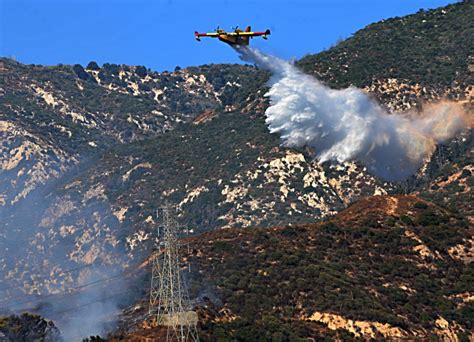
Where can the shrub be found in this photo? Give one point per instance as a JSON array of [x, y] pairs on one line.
[[111, 68], [407, 220], [80, 72], [141, 71], [429, 218], [420, 205], [93, 66]]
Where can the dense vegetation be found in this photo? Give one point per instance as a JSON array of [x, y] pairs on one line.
[[430, 47], [362, 265], [27, 327]]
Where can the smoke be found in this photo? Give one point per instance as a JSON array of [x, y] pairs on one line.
[[60, 258], [92, 310], [343, 125]]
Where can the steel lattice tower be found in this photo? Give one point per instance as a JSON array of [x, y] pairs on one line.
[[169, 300]]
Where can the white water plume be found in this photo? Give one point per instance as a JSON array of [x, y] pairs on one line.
[[347, 124]]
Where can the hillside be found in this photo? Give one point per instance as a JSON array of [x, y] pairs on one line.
[[89, 181], [386, 267], [378, 269], [428, 54], [89, 153]]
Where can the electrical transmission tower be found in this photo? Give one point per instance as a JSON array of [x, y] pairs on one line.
[[169, 300]]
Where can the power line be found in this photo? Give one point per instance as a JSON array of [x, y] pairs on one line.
[[57, 261], [61, 312], [57, 314], [37, 267], [65, 292], [47, 277], [67, 257]]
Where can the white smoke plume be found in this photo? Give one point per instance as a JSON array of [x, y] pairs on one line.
[[343, 125]]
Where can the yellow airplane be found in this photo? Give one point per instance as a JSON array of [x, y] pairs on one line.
[[238, 37]]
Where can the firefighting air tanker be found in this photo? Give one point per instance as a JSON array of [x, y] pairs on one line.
[[237, 37]]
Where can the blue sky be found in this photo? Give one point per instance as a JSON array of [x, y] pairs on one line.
[[160, 33]]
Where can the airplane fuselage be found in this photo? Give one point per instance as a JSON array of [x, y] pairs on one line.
[[234, 40], [237, 37]]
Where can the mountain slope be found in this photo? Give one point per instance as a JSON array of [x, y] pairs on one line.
[[425, 55], [386, 267], [383, 263], [87, 156]]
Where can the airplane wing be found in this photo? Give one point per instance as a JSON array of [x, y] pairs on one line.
[[248, 34], [206, 34]]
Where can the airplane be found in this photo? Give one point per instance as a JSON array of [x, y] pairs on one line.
[[238, 37]]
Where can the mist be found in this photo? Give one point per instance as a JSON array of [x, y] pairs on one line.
[[348, 125]]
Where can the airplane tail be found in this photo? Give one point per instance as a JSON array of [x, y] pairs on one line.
[[248, 29], [196, 35]]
